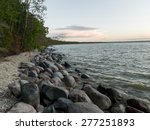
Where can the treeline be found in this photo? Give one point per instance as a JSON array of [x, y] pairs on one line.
[[22, 25]]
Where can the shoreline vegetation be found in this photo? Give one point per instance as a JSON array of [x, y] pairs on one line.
[[47, 84]]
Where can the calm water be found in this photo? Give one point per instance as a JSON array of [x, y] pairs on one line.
[[125, 66]]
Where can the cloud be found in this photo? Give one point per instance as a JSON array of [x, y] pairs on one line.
[[76, 27], [78, 33]]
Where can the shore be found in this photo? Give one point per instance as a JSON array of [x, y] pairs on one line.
[[49, 84], [8, 74]]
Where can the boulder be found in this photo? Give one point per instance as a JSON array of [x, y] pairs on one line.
[[15, 88], [85, 76], [44, 76], [62, 104], [58, 74], [115, 95], [139, 104], [49, 109], [118, 108], [82, 107], [30, 94], [69, 81], [64, 72], [101, 100], [57, 81], [33, 74], [27, 64], [130, 109], [77, 95], [22, 107], [53, 93], [59, 66], [67, 65], [45, 82]]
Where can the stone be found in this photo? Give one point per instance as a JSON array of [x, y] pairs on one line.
[[115, 95], [67, 65], [77, 95], [139, 104], [62, 104], [77, 70], [64, 73], [33, 74], [49, 70], [57, 81], [69, 81], [53, 93], [15, 88], [101, 100], [40, 108], [130, 109], [85, 76], [118, 108], [27, 64], [45, 82], [59, 66], [44, 76], [49, 109], [22, 82], [22, 107], [58, 74], [30, 94], [82, 107]]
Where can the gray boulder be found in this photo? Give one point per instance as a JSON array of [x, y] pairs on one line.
[[130, 109], [82, 107], [139, 104], [118, 108], [64, 72], [53, 93], [101, 100], [85, 76], [33, 74], [62, 104], [15, 88], [58, 74], [69, 81], [27, 64], [59, 66], [77, 95], [30, 94], [22, 107]]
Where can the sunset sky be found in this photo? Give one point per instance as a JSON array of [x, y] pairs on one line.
[[98, 20]]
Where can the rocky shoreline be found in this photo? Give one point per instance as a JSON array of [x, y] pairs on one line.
[[46, 85]]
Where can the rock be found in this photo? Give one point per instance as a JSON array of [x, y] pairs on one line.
[[22, 82], [77, 95], [33, 74], [85, 76], [114, 95], [49, 109], [40, 108], [30, 94], [53, 93], [59, 66], [45, 82], [57, 81], [27, 64], [118, 108], [15, 89], [22, 108], [44, 76], [58, 74], [67, 65], [140, 105], [82, 107], [46, 102], [69, 81], [130, 109], [101, 100], [77, 70], [62, 104], [49, 70], [64, 73]]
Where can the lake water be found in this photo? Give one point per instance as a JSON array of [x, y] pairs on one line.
[[125, 66]]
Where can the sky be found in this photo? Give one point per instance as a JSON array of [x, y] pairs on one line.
[[98, 20]]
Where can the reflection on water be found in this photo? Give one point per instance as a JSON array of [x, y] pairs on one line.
[[125, 66]]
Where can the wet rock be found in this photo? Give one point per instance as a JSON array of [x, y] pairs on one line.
[[53, 93], [82, 107], [58, 74], [59, 66], [49, 70], [85, 76], [118, 108], [45, 82], [22, 82], [22, 108], [57, 81], [77, 70], [130, 109], [140, 105], [69, 81], [77, 95], [33, 74], [67, 65], [30, 94], [15, 89], [62, 104], [101, 100]]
